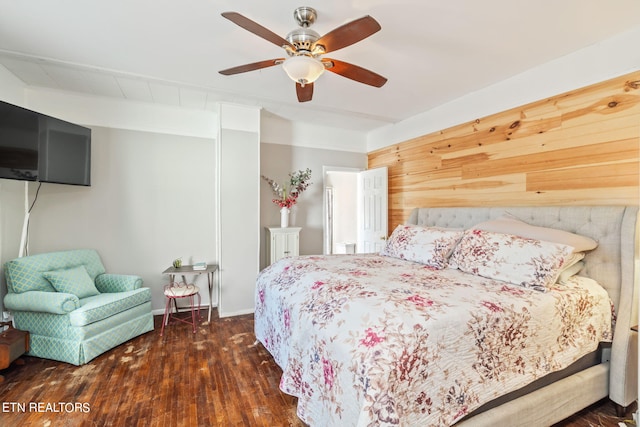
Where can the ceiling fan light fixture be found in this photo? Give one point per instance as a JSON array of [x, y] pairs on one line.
[[303, 69], [304, 49]]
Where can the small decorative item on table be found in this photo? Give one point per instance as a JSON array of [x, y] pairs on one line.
[[200, 266], [288, 193]]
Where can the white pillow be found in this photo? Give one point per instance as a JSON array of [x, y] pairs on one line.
[[509, 225], [569, 272], [573, 259]]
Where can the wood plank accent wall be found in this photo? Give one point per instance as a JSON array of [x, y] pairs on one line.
[[578, 148]]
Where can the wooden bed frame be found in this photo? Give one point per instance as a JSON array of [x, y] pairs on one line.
[[614, 264]]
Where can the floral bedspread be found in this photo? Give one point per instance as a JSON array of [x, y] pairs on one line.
[[372, 340]]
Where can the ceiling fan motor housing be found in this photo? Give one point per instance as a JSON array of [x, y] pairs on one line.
[[303, 38], [305, 16]]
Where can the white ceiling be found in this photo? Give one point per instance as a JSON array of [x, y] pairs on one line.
[[170, 51]]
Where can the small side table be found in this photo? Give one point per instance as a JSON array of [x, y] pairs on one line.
[[13, 344], [187, 270]]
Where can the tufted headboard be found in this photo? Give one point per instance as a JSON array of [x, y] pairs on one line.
[[613, 264]]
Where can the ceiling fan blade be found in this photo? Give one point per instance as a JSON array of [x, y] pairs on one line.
[[305, 93], [250, 67], [256, 28], [354, 72], [348, 34]]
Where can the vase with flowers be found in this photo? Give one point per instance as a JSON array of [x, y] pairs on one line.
[[287, 194]]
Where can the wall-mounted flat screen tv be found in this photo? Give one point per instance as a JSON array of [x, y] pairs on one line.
[[37, 147]]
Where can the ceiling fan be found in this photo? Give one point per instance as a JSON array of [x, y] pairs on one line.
[[304, 48]]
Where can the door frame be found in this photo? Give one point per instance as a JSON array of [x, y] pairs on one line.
[[325, 225]]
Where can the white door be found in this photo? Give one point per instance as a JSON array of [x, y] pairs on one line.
[[372, 210]]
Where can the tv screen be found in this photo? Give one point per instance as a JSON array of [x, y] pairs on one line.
[[18, 143], [37, 147], [65, 153]]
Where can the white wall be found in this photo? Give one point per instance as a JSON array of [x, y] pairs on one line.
[[152, 197], [11, 88], [122, 114], [238, 168], [345, 207], [602, 61], [11, 192], [151, 201], [275, 130], [276, 162], [11, 219]]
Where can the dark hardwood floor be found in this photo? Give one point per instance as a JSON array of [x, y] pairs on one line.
[[216, 377]]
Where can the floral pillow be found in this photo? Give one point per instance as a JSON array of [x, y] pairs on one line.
[[530, 263], [431, 246]]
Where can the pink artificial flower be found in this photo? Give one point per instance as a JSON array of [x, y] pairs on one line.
[[287, 194]]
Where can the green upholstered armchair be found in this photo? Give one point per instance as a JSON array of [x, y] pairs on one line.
[[73, 310]]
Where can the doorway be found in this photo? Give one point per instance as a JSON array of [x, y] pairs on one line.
[[355, 210], [340, 209]]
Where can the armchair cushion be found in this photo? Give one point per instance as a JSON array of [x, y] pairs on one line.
[[42, 301], [74, 281], [25, 274], [105, 305], [109, 283]]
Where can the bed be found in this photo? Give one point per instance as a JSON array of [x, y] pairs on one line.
[[401, 338]]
